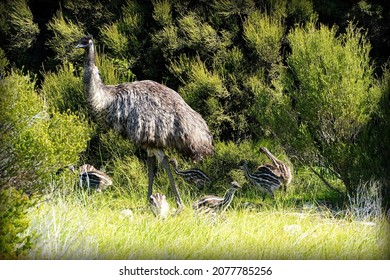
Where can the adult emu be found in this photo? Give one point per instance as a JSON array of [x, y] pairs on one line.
[[150, 114]]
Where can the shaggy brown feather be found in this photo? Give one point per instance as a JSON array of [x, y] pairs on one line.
[[148, 113], [152, 115]]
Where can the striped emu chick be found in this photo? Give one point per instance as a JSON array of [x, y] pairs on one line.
[[212, 205], [279, 167], [193, 176], [264, 178], [151, 115], [159, 205], [92, 178]]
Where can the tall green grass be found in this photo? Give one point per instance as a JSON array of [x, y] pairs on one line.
[[80, 226]]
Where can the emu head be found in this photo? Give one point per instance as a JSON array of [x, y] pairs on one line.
[[264, 150], [242, 165], [235, 185], [173, 161], [85, 42]]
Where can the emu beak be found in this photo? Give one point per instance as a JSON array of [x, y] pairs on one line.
[[79, 45]]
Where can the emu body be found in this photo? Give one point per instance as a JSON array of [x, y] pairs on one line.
[[212, 205], [92, 178], [150, 114], [192, 176], [279, 167], [264, 178]]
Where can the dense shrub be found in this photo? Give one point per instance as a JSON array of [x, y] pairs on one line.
[[264, 34], [66, 34], [377, 139], [18, 28], [3, 63], [162, 12], [253, 69], [14, 240], [41, 140], [117, 43], [91, 14], [63, 90], [114, 70], [331, 96]]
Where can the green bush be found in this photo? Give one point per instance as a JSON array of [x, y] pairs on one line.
[[123, 39], [114, 146], [66, 35], [377, 139], [63, 90], [130, 176], [199, 36], [263, 34], [14, 240], [18, 27], [133, 18], [91, 14], [204, 91], [227, 8], [116, 42], [331, 97], [41, 140], [3, 63], [293, 11], [167, 40], [114, 70], [162, 12]]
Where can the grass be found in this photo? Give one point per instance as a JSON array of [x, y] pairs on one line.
[[80, 226]]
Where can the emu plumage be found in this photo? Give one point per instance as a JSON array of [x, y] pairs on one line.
[[150, 114]]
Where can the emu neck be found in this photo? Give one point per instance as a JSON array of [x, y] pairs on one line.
[[246, 170], [228, 197], [94, 89]]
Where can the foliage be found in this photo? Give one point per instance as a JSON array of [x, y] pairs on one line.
[[114, 146], [162, 12], [41, 140], [372, 16], [63, 90], [331, 96], [261, 73], [14, 222], [204, 92], [18, 27], [130, 176], [91, 14], [3, 63], [116, 42], [299, 11], [254, 70], [227, 8], [264, 35], [66, 34], [114, 70], [197, 35], [377, 138]]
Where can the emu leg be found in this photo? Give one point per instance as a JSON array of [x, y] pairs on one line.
[[179, 203], [151, 162]]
